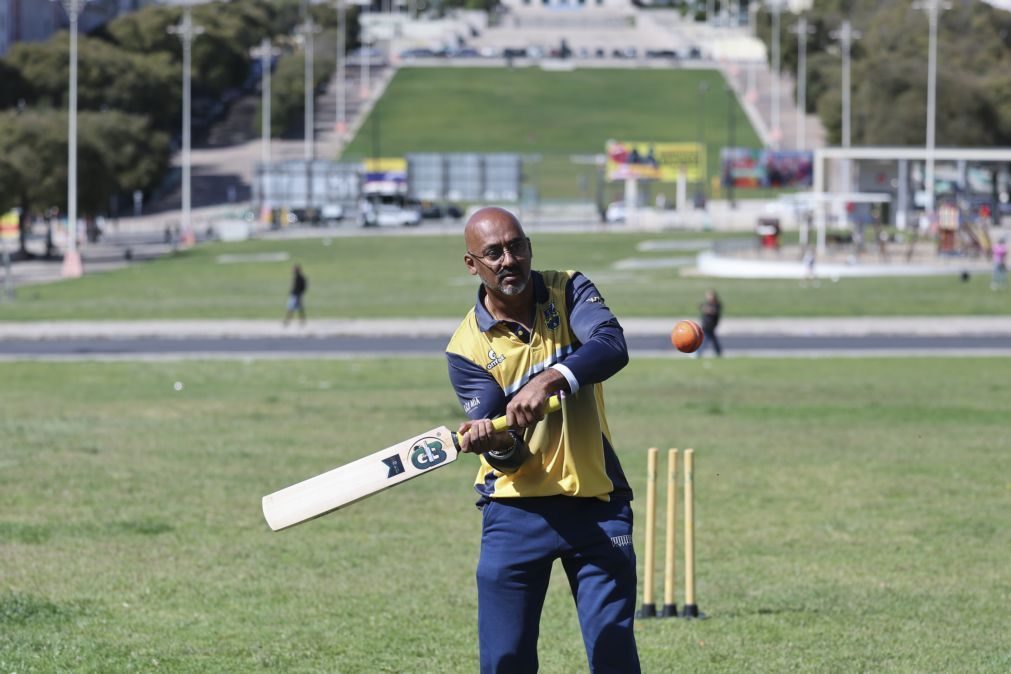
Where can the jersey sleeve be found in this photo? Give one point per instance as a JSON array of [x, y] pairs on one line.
[[479, 394], [602, 351]]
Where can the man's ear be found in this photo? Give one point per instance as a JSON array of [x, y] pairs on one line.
[[471, 265]]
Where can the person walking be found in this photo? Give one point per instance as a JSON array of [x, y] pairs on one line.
[[999, 278], [710, 311], [299, 284], [551, 487]]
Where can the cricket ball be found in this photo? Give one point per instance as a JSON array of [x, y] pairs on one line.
[[687, 336]]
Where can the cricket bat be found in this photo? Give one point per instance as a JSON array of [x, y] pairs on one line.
[[369, 475]]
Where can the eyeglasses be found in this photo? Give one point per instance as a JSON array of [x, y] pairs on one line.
[[518, 248]]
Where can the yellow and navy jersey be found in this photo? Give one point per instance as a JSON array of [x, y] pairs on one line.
[[574, 332]]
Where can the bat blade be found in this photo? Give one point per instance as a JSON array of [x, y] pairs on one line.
[[359, 479]]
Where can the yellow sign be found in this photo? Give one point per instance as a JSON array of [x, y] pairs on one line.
[[386, 165], [655, 161], [9, 226]]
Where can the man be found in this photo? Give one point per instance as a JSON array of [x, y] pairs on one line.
[[299, 284], [710, 311], [550, 487]]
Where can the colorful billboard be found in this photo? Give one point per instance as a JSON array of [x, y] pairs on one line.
[[385, 175], [748, 167], [655, 161]]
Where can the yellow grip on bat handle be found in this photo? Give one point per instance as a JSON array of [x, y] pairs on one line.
[[553, 405]]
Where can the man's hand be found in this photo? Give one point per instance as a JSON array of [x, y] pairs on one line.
[[478, 437], [527, 406]]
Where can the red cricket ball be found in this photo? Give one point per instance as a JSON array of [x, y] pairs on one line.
[[687, 336]]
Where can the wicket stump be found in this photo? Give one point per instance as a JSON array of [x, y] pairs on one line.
[[669, 610]]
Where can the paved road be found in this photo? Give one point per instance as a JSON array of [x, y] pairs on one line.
[[738, 345]]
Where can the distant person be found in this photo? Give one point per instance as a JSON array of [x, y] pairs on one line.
[[299, 284], [999, 279], [808, 262], [710, 311]]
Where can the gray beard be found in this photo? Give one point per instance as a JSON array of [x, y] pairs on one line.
[[509, 290]]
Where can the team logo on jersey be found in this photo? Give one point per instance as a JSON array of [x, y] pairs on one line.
[[427, 453], [551, 317], [494, 360], [471, 404], [596, 299], [395, 466]]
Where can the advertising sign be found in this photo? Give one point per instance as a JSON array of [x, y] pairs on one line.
[[385, 175], [9, 226], [749, 167], [655, 161]]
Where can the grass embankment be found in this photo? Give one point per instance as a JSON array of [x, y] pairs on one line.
[[553, 115]]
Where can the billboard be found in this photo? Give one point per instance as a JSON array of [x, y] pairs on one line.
[[385, 175], [300, 184], [749, 167], [655, 161], [464, 176]]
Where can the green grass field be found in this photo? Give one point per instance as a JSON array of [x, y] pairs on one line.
[[419, 276], [851, 516], [550, 114]]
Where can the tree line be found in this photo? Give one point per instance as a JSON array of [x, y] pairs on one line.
[[889, 71], [130, 97]]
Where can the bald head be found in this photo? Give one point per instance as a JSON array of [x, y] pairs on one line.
[[490, 222], [498, 251]]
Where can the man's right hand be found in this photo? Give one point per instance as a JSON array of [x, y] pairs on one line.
[[478, 437]]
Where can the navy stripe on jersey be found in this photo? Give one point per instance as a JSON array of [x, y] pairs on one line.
[[602, 351]]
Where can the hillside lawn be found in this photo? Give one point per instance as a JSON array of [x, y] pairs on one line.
[[403, 275], [851, 516], [551, 115]]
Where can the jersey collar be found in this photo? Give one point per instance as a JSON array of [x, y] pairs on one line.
[[485, 321]]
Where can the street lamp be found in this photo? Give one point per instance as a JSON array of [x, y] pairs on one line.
[[802, 30], [846, 35], [933, 8], [731, 141], [306, 33], [342, 125], [187, 31], [703, 88], [266, 53], [777, 7], [72, 267]]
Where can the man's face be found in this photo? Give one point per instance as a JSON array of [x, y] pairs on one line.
[[499, 253]]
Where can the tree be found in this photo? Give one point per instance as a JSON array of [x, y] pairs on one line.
[[117, 152], [107, 78], [889, 65]]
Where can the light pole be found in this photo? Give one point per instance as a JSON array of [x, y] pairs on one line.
[[802, 30], [731, 142], [187, 31], [307, 32], [933, 8], [342, 125], [72, 267], [846, 35], [777, 8], [266, 54], [703, 88]]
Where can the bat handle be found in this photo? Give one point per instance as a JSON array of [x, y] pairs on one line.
[[553, 405]]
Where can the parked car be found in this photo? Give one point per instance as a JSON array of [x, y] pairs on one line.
[[331, 212], [384, 212], [615, 212], [661, 53], [376, 58], [417, 53]]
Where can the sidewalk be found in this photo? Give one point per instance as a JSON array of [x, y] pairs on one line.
[[933, 326]]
